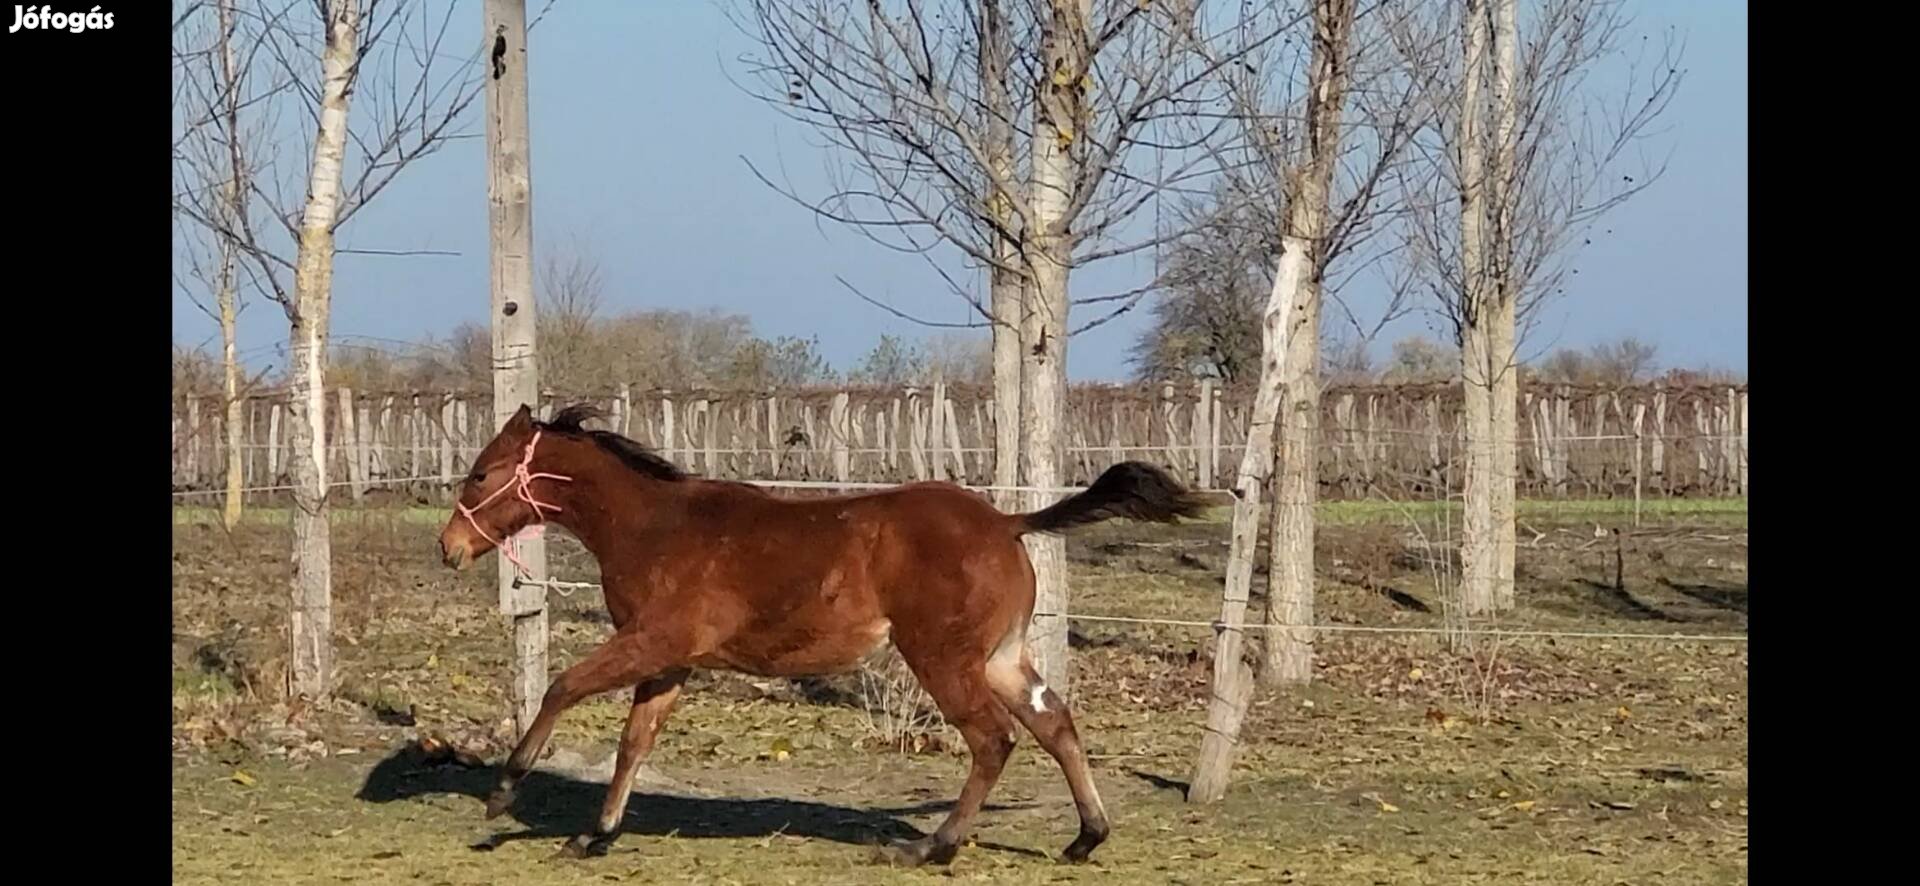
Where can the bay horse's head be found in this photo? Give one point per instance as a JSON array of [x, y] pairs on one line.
[[497, 498]]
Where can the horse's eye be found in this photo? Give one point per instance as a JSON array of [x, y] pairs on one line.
[[477, 477]]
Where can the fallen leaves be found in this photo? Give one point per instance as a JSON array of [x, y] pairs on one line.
[[1385, 807]]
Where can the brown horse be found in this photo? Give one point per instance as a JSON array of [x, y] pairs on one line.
[[702, 573]]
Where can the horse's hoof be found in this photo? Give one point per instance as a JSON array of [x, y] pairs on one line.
[[497, 803], [1082, 847], [586, 846], [915, 853]]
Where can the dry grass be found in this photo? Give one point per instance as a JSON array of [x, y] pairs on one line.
[[1406, 762]]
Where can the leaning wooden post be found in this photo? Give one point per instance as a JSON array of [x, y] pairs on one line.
[[1299, 265], [516, 380], [1232, 686]]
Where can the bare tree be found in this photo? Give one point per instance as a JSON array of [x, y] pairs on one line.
[[1421, 359], [920, 105], [1213, 287], [390, 55], [1301, 259], [1308, 165], [960, 358], [1623, 362], [1524, 156], [929, 105], [955, 358], [212, 155], [307, 315], [892, 362], [571, 294]]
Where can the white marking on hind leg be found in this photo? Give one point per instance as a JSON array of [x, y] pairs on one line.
[[1039, 700]]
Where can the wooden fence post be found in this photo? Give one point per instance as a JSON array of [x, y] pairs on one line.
[[516, 379]]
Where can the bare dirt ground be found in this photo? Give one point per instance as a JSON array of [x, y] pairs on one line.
[[1516, 760]]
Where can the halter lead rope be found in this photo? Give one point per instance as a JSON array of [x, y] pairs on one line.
[[522, 485]]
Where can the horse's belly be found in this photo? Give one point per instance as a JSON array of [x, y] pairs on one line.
[[799, 650]]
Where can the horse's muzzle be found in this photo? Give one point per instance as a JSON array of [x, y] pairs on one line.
[[455, 556]]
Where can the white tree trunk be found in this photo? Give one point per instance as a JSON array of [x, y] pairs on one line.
[[1478, 559], [516, 379], [226, 294], [1290, 563], [1043, 413], [1059, 115], [311, 666], [230, 368], [1502, 190], [1288, 658], [1007, 296]]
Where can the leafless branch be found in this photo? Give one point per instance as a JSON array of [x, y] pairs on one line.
[[412, 97]]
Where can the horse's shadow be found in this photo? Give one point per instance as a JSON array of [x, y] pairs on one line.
[[553, 806]]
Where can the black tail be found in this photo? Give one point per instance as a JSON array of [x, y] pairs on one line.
[[1131, 489]]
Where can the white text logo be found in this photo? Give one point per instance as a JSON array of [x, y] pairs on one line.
[[35, 18]]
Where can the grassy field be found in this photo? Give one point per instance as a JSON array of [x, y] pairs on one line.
[[1545, 761]]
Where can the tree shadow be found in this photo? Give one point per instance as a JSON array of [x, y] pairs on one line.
[[1728, 597], [557, 807], [1399, 598], [1161, 782], [1620, 602]]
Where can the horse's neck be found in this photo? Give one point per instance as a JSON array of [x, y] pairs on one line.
[[606, 502]]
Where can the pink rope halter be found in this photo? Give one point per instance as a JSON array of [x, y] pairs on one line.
[[522, 486]]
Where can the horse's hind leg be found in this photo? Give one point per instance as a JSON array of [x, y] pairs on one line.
[[652, 701], [968, 704], [1018, 686]]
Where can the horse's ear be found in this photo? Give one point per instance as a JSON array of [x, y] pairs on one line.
[[522, 419]]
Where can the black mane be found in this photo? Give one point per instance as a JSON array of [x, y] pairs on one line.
[[571, 421]]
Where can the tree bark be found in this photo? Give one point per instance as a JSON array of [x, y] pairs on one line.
[[226, 291], [1059, 116], [1477, 544], [1290, 566], [311, 624], [1503, 187], [1007, 296], [1288, 658]]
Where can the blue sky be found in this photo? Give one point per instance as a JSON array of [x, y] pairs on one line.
[[678, 221]]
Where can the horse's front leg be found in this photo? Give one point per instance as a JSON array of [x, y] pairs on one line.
[[652, 701], [624, 660]]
